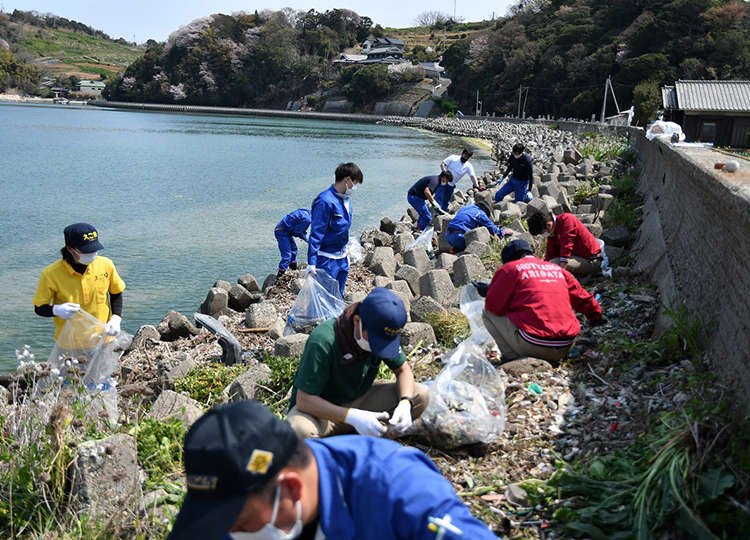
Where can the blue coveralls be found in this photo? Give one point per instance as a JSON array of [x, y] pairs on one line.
[[467, 218], [417, 199], [294, 224], [519, 181], [329, 234]]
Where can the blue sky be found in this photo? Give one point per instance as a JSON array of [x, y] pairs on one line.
[[156, 19]]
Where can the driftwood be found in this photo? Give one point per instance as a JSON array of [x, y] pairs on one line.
[[251, 330]]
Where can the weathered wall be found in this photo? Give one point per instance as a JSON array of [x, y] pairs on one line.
[[695, 243]]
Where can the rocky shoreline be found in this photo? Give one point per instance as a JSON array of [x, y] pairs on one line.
[[573, 416]]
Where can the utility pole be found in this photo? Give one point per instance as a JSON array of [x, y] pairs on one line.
[[604, 102], [479, 105], [454, 10], [520, 88]]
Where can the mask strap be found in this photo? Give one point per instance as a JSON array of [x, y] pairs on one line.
[[276, 501]]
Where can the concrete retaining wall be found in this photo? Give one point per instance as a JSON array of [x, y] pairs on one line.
[[695, 243]]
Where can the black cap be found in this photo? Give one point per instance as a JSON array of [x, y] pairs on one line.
[[230, 452], [384, 315], [83, 237], [515, 250]]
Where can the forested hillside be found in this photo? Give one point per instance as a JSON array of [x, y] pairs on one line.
[[564, 51]]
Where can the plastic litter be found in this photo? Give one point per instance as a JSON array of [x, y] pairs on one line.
[[423, 240], [231, 350], [318, 300], [534, 388], [472, 305], [354, 250], [605, 268]]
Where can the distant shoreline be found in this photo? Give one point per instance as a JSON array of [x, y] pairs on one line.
[[235, 111]]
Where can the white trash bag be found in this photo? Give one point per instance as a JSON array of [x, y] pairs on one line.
[[467, 401], [354, 250], [318, 300], [472, 305]]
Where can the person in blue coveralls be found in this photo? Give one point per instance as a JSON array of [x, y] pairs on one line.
[[521, 179], [293, 225], [424, 190], [250, 477], [467, 218], [458, 167], [331, 220]]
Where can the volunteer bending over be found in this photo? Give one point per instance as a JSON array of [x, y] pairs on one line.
[[81, 279]]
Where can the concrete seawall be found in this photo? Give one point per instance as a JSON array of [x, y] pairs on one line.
[[695, 243]]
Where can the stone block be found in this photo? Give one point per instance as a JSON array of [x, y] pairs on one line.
[[381, 239], [269, 282], [182, 364], [418, 258], [249, 282], [511, 209], [516, 226], [423, 307], [217, 300], [406, 299], [595, 228], [443, 245], [586, 218], [239, 298], [416, 332], [475, 248], [291, 345], [572, 156], [170, 404], [564, 201], [466, 268], [445, 261], [400, 241], [400, 286], [617, 237], [245, 387], [174, 326], [296, 284], [144, 333], [221, 284], [276, 330], [354, 297], [387, 225], [535, 205], [550, 189], [613, 253], [381, 281], [440, 223], [383, 262], [486, 197], [583, 209], [413, 214], [438, 285], [104, 478], [260, 315], [602, 201], [480, 234], [410, 275]]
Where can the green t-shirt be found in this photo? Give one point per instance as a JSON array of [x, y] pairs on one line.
[[321, 372]]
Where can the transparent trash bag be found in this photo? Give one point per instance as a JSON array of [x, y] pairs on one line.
[[86, 357], [354, 250], [318, 300], [423, 240], [472, 305], [467, 401], [606, 269]]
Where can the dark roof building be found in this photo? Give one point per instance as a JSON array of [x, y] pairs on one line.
[[717, 112]]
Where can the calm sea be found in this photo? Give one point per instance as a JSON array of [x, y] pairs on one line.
[[179, 201]]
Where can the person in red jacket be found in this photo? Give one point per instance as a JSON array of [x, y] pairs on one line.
[[570, 245], [528, 306]]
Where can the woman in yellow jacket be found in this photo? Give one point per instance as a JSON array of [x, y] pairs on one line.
[[81, 279]]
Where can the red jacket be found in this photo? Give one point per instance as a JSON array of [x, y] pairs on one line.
[[537, 297], [571, 237]]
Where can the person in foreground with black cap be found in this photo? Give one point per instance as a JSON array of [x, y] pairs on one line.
[[250, 477], [333, 389], [529, 306], [81, 279]]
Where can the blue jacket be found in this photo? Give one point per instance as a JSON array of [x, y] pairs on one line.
[[296, 223], [373, 489], [329, 230], [470, 217]]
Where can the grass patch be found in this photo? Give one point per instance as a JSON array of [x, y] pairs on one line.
[[450, 328], [159, 445], [275, 393], [206, 383], [603, 148]]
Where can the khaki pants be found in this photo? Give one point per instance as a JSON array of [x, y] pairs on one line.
[[580, 266], [512, 345], [381, 397]]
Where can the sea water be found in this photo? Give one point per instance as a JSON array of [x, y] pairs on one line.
[[180, 201]]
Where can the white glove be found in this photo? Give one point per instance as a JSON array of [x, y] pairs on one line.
[[112, 328], [310, 269], [367, 422], [66, 310], [401, 418]]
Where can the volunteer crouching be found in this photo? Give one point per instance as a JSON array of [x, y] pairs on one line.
[[333, 389], [529, 306], [250, 477]]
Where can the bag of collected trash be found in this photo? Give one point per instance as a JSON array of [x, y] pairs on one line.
[[665, 130], [86, 357], [467, 401], [424, 240], [317, 301], [354, 250], [472, 305], [605, 268]]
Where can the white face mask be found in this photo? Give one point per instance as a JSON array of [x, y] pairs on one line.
[[87, 258], [350, 190], [270, 531], [517, 155], [361, 341]]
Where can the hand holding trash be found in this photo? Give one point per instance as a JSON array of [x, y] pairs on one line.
[[112, 328], [310, 269], [401, 418], [482, 287], [66, 310], [367, 422], [601, 321], [439, 211]]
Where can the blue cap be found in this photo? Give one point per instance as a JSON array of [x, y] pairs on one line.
[[383, 315], [515, 250], [230, 452], [83, 237]]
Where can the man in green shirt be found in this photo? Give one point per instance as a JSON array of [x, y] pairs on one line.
[[333, 390]]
